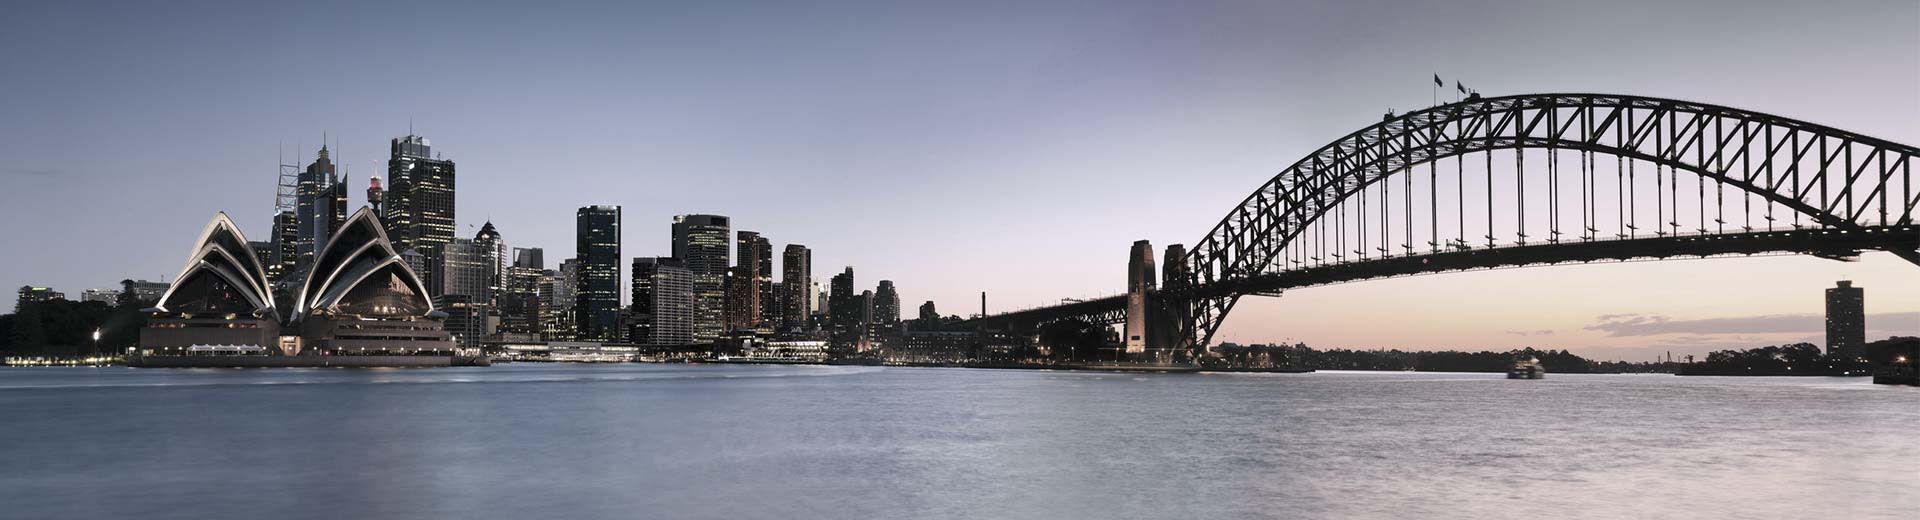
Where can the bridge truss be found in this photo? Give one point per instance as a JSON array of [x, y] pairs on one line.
[[1536, 179]]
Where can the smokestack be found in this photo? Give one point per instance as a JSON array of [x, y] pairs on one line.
[[983, 304]]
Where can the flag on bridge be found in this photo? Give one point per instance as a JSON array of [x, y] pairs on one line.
[[1459, 87], [1437, 82]]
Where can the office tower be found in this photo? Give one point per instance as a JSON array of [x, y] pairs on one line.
[[597, 289], [418, 263], [493, 252], [864, 325], [755, 262], [419, 201], [314, 207], [558, 303], [750, 285], [738, 313], [865, 308], [520, 296], [1846, 322], [662, 302], [843, 306], [566, 280], [886, 304], [819, 298], [796, 272], [469, 321], [1140, 285], [262, 252], [701, 242], [286, 253], [464, 268]]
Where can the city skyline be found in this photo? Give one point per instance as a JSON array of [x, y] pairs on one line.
[[1205, 107]]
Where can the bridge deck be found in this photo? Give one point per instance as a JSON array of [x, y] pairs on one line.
[[1828, 243]]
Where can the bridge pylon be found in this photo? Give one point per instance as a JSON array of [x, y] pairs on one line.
[[1159, 325]]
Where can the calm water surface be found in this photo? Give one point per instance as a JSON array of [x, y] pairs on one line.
[[778, 442]]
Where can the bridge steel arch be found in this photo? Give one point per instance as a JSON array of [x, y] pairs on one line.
[[1838, 181]]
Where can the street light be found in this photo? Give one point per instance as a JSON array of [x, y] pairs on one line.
[[96, 346]]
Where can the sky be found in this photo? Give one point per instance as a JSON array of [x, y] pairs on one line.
[[1016, 148]]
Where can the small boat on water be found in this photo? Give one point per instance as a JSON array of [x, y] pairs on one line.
[[1529, 368]]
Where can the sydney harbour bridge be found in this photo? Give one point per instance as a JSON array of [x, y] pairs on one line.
[[1513, 181]]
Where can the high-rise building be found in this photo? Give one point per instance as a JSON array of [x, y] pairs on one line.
[[418, 263], [865, 308], [701, 242], [750, 285], [493, 251], [321, 206], [556, 302], [818, 296], [662, 302], [566, 280], [796, 272], [286, 253], [756, 256], [597, 290], [520, 298], [263, 252], [1846, 321], [419, 201], [738, 313], [843, 308], [469, 321], [464, 268], [886, 304]]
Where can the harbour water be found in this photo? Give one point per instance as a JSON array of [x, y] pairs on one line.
[[778, 442]]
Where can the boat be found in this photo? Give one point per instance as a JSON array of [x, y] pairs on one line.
[[1529, 368]]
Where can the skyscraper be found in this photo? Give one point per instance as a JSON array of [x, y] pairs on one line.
[[738, 314], [758, 254], [560, 320], [464, 270], [320, 208], [419, 207], [520, 299], [286, 255], [1846, 321], [843, 307], [701, 242], [886, 304], [493, 252], [597, 292], [750, 284], [662, 302], [796, 278]]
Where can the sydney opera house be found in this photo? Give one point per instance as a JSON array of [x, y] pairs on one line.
[[359, 305]]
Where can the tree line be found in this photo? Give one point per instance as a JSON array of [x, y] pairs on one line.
[[64, 328]]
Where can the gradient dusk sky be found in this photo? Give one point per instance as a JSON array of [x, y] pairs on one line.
[[1012, 147]]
